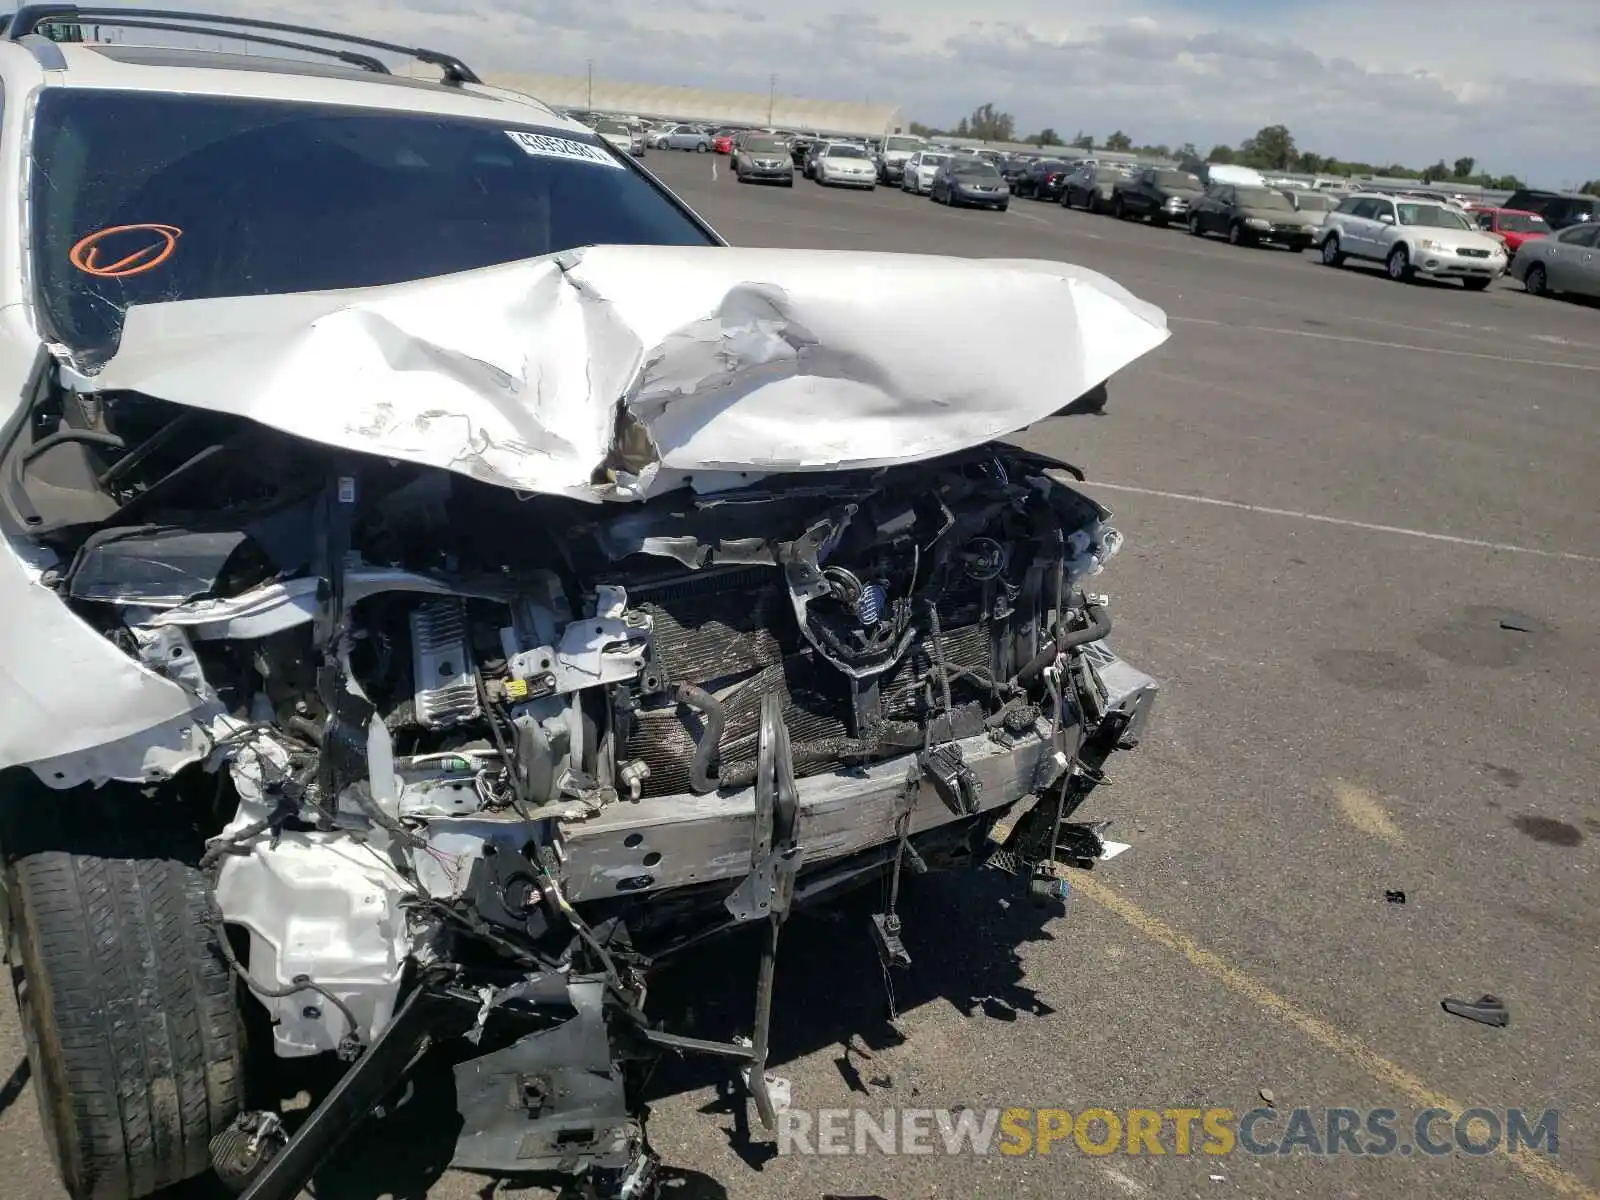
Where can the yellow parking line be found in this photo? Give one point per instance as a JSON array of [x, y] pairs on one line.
[[1562, 1182]]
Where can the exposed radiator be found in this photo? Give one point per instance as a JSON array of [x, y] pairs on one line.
[[735, 632]]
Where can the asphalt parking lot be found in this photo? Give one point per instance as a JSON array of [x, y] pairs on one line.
[[1363, 526]]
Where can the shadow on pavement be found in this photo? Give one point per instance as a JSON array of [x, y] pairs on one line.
[[962, 928], [16, 1083]]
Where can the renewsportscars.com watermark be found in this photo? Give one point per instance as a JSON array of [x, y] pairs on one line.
[[1374, 1132]]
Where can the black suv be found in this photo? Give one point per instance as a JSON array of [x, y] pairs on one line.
[[1559, 209], [1043, 179]]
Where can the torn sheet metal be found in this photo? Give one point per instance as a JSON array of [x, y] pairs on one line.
[[591, 373]]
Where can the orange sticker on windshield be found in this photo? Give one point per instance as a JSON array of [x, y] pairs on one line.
[[138, 248]]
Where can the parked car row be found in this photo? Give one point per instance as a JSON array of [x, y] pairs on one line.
[[1547, 240], [1411, 234]]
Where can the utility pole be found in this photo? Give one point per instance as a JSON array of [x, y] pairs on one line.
[[591, 85], [772, 95]]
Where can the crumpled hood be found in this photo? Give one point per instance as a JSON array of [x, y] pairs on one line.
[[610, 372]]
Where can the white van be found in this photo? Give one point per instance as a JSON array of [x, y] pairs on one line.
[[1237, 176]]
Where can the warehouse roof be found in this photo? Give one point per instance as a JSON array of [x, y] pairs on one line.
[[704, 104]]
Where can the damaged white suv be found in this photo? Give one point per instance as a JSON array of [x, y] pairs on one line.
[[441, 578]]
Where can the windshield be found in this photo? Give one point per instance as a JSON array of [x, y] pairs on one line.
[[765, 145], [902, 143], [1177, 179], [1051, 164], [977, 170], [612, 127], [1434, 216], [1263, 198], [846, 152], [1512, 222], [933, 160], [1311, 202], [140, 197]]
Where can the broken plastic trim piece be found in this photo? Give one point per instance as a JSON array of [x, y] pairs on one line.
[[1485, 1010]]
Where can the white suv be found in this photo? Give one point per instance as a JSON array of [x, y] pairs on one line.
[[140, 174], [434, 594], [1411, 238]]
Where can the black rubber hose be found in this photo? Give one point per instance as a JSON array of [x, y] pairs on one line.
[[702, 772], [1099, 627]]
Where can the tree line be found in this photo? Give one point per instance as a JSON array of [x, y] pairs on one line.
[[1271, 149]]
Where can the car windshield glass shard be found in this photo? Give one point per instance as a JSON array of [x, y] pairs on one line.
[[1434, 216], [1264, 198], [138, 198], [1177, 179]]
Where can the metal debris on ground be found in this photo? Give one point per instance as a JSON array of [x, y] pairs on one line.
[[1394, 897], [1485, 1010]]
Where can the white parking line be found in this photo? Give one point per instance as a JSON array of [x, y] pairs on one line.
[[1036, 219], [1360, 341], [1368, 526]]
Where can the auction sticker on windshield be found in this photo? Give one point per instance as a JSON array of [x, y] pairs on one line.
[[545, 145]]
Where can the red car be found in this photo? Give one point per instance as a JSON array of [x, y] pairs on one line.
[[1512, 225], [722, 141]]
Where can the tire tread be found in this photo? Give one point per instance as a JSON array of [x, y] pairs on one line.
[[134, 1013]]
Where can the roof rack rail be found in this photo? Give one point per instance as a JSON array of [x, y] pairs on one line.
[[31, 17]]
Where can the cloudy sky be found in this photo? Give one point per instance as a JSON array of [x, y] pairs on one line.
[[1516, 86]]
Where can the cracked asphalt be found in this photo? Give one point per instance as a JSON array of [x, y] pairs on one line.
[[1363, 556]]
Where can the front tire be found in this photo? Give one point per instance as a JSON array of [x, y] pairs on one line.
[[1536, 282], [1236, 234], [128, 1010], [1332, 256], [1119, 210], [1194, 225], [1398, 264]]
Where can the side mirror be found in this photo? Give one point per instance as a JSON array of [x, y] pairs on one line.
[[1385, 219]]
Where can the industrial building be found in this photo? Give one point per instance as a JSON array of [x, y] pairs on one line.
[[675, 103]]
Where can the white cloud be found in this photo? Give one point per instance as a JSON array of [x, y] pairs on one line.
[[1517, 87]]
